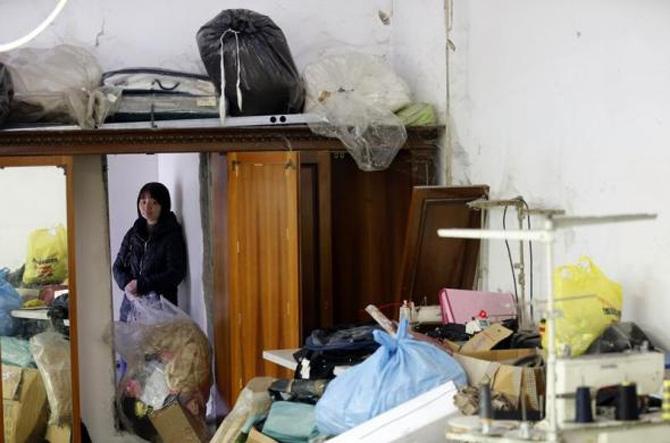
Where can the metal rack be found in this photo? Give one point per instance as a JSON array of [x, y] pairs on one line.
[[546, 236]]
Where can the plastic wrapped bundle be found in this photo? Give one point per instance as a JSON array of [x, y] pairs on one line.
[[247, 57], [357, 95], [6, 93], [51, 352], [417, 114], [9, 300], [401, 369], [168, 357], [55, 85], [159, 94], [16, 352], [253, 402]]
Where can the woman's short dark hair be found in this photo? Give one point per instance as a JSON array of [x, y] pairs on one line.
[[158, 192]]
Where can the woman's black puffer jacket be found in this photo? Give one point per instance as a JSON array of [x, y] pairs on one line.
[[156, 260]]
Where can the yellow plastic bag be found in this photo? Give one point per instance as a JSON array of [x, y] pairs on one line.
[[587, 302], [46, 261]]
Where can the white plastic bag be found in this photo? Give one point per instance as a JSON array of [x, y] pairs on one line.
[[356, 96], [51, 352], [160, 339], [55, 85], [373, 81]]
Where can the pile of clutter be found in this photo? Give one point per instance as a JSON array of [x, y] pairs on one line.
[[165, 385], [36, 374]]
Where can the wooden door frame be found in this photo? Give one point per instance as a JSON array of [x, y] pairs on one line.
[[64, 162]]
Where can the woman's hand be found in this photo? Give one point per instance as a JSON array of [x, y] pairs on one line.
[[131, 287]]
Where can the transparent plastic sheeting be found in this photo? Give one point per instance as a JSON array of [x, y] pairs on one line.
[[51, 352], [58, 85], [357, 95], [168, 358]]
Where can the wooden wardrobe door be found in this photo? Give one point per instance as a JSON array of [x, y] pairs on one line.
[[263, 250]]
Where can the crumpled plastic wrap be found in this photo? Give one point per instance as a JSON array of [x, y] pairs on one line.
[[51, 352], [252, 403], [57, 85], [16, 352], [356, 95], [158, 339]]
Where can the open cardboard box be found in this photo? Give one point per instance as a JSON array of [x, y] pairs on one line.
[[24, 404], [516, 383], [480, 362], [176, 425]]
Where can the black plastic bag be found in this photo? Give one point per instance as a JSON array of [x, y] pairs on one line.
[[340, 346], [620, 337], [6, 93], [260, 76]]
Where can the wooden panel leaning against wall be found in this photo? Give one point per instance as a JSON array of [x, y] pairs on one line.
[[431, 263]]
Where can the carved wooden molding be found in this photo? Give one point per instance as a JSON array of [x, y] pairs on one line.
[[120, 141]]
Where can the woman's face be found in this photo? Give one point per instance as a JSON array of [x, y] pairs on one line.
[[149, 208]]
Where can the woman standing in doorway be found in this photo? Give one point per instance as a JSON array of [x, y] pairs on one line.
[[152, 257]]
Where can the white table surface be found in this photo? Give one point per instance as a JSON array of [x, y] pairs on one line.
[[284, 358]]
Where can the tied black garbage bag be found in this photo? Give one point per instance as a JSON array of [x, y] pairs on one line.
[[260, 77], [6, 93]]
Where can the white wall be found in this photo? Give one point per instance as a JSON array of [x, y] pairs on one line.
[[129, 33], [567, 103], [30, 198], [125, 176], [180, 173], [419, 56]]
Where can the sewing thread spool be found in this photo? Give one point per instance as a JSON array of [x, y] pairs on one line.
[[626, 405], [583, 411], [485, 402], [665, 409], [485, 407]]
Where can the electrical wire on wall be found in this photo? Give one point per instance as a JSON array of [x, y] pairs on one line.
[[523, 205], [4, 47], [509, 255], [530, 254]]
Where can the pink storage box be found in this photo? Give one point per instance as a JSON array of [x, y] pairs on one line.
[[461, 305]]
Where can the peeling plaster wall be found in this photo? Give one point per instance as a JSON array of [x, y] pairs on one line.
[[128, 33], [568, 103], [418, 54]]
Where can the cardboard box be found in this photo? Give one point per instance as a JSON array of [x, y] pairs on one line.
[[486, 339], [176, 425], [516, 383], [58, 434], [24, 404], [259, 437]]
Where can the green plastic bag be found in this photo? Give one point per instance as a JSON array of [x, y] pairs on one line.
[[417, 114], [588, 302]]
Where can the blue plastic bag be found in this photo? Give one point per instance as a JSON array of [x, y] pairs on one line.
[[401, 369], [9, 300]]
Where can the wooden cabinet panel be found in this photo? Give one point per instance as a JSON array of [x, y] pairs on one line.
[[369, 213], [315, 242], [263, 262]]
